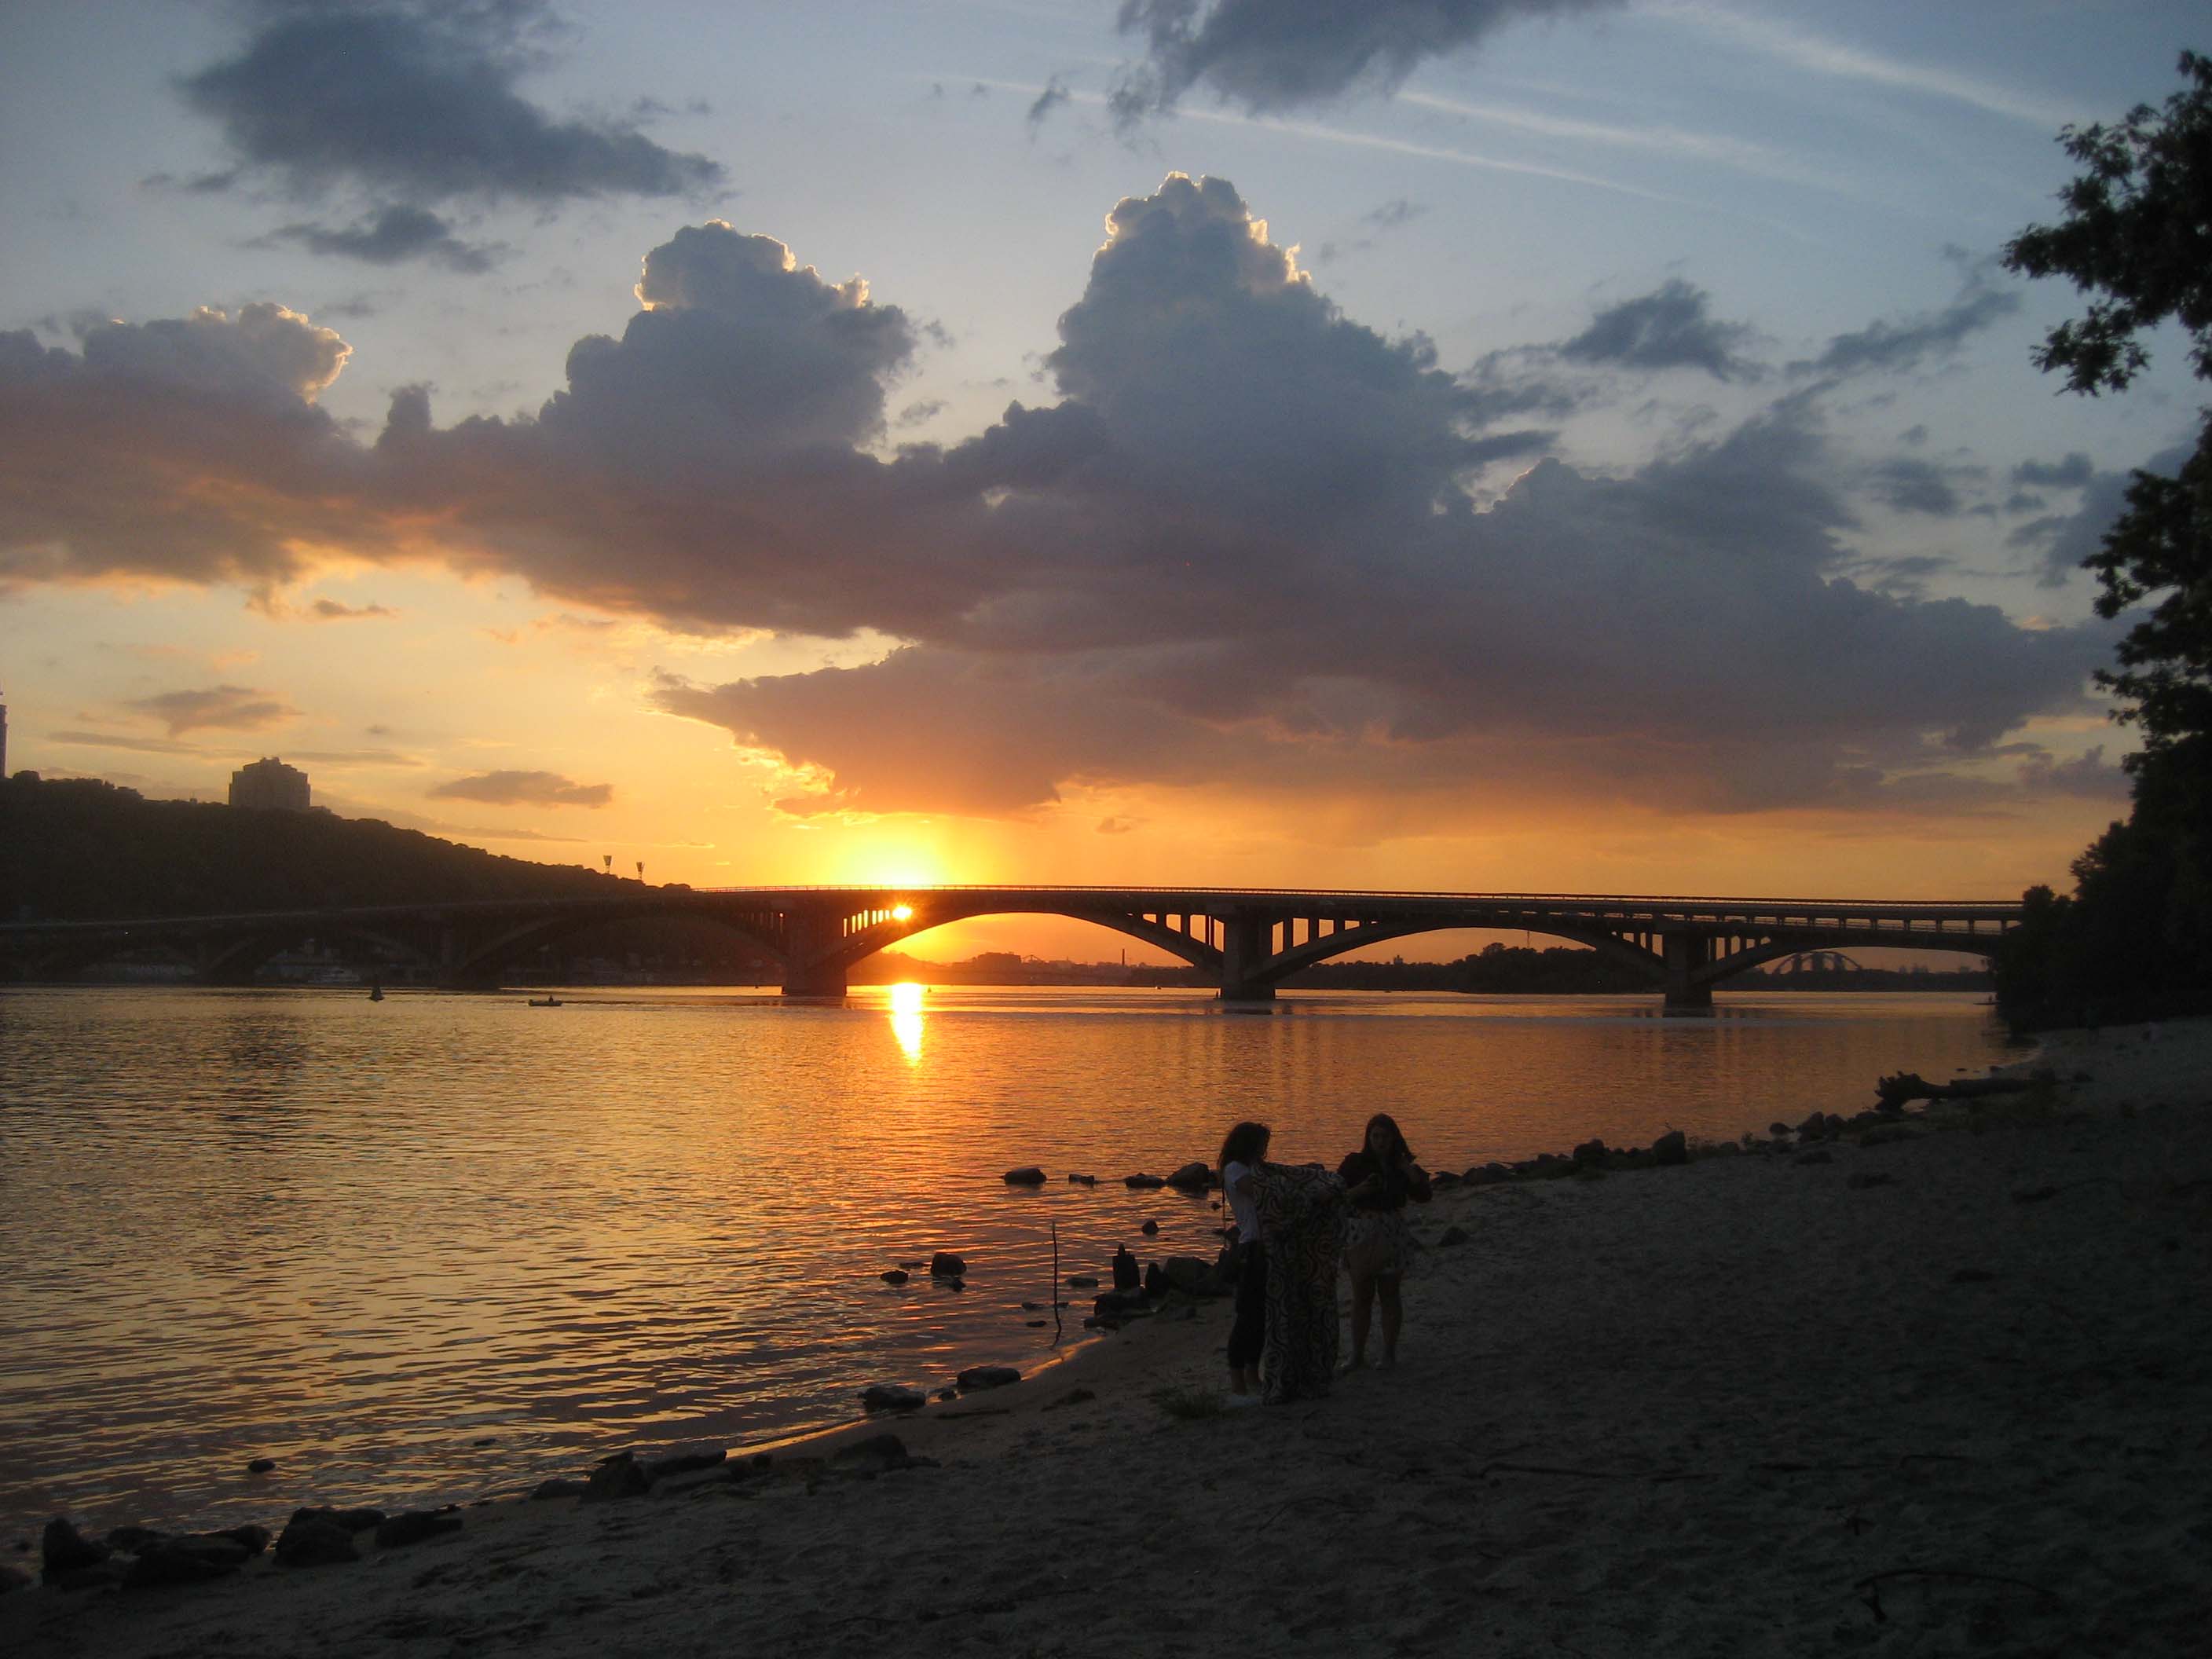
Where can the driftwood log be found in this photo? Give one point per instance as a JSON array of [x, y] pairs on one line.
[[1894, 1091]]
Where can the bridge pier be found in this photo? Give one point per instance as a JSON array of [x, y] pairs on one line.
[[1244, 941], [1687, 994], [810, 966]]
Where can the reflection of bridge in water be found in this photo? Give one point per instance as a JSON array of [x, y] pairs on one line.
[[1247, 940]]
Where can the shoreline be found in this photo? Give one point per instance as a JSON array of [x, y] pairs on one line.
[[1936, 1390]]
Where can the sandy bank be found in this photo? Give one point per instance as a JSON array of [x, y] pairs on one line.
[[1929, 1396]]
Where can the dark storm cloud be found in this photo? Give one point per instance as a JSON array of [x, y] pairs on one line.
[[1240, 550], [523, 789], [418, 102], [1671, 327], [215, 708], [2064, 540], [2071, 473], [2088, 775], [1270, 55], [1895, 347], [1904, 576], [394, 235], [1912, 485]]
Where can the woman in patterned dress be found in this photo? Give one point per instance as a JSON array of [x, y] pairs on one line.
[[1301, 1209]]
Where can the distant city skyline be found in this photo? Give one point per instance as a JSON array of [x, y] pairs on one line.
[[1580, 446]]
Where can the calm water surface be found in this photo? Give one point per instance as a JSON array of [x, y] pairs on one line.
[[436, 1247]]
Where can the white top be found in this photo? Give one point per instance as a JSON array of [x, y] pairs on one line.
[[1240, 1204]]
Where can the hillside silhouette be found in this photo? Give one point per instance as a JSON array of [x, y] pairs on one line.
[[80, 850]]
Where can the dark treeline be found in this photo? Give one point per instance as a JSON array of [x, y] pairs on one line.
[[78, 850], [1563, 970], [1567, 970], [1560, 970], [2134, 939]]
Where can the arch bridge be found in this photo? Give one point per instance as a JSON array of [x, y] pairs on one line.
[[1247, 940]]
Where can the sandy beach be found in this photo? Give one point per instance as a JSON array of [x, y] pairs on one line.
[[1945, 1392]]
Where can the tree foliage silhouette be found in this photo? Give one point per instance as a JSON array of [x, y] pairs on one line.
[[2137, 237]]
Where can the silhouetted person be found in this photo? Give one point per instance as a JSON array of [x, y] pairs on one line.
[[1380, 1178], [1242, 1149], [1156, 1279]]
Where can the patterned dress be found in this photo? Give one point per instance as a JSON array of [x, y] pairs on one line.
[[1301, 1209]]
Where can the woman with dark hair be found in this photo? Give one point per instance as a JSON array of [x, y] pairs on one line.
[[1242, 1149], [1380, 1178]]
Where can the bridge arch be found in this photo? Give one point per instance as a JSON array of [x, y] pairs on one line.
[[238, 959], [1284, 963], [480, 963], [1772, 949], [863, 942]]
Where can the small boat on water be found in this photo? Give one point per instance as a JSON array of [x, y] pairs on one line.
[[545, 1002]]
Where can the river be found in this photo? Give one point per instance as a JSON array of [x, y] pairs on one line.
[[434, 1247]]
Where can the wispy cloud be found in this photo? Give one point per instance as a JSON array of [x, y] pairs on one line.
[[134, 745], [1824, 56], [1316, 132], [220, 707], [1740, 155], [524, 789]]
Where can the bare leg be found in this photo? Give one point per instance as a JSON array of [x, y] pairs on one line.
[[1386, 1287], [1362, 1308]]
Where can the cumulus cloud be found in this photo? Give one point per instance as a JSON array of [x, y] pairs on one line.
[[1272, 55], [215, 708], [398, 234], [113, 449], [1246, 546], [1896, 347], [510, 788], [1671, 327], [417, 102]]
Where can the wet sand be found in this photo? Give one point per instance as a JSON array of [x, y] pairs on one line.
[[1943, 1393]]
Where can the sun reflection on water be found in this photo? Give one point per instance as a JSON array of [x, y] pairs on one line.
[[906, 1019]]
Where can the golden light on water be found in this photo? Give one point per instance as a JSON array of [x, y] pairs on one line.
[[906, 1019]]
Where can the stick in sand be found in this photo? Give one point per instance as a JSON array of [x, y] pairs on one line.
[[1052, 1295]]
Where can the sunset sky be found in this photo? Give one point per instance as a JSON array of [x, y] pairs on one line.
[[1582, 445]]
